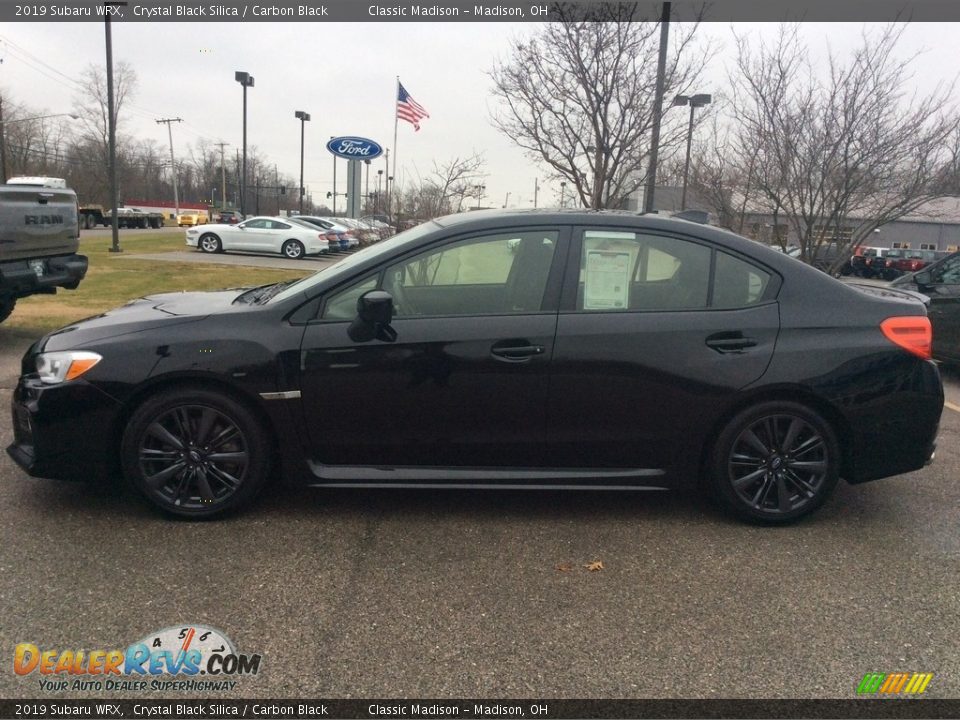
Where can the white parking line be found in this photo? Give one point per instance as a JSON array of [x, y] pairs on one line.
[[955, 408]]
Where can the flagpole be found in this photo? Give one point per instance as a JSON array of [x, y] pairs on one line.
[[396, 117]]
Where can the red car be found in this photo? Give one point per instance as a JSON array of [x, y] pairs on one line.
[[913, 260]]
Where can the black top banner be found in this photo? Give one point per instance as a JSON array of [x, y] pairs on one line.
[[490, 709], [461, 11]]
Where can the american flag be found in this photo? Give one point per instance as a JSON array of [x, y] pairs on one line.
[[409, 109]]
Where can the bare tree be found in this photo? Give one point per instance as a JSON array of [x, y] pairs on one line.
[[91, 106], [579, 96], [842, 155], [444, 190]]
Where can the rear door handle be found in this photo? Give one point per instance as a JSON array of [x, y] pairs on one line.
[[730, 342], [515, 353]]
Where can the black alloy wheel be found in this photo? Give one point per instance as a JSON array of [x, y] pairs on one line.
[[776, 462], [293, 249], [195, 453]]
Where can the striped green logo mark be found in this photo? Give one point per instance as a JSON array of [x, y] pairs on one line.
[[894, 683]]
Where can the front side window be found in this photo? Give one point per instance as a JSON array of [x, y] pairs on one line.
[[633, 271], [256, 224], [342, 305], [489, 275]]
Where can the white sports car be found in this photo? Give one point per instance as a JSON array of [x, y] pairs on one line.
[[259, 234]]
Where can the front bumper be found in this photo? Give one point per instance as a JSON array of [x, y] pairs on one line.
[[20, 279], [52, 435]]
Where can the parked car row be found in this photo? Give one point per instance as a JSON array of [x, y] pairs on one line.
[[293, 237], [891, 263]]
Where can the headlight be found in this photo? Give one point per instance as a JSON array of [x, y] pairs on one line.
[[58, 367]]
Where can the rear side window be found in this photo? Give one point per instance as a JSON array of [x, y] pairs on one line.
[[633, 271], [737, 283]]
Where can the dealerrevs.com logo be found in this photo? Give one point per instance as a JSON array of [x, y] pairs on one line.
[[188, 657]]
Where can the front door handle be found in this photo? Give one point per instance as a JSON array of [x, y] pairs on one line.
[[520, 351], [730, 342]]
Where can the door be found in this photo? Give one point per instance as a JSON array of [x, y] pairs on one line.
[[250, 235], [646, 352], [465, 382]]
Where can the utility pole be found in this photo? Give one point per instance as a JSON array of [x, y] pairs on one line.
[[173, 165], [506, 200], [223, 176], [536, 190]]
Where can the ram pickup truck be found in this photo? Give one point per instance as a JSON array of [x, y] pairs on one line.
[[39, 239]]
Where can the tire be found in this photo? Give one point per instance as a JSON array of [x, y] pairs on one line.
[[195, 453], [89, 221], [7, 304], [293, 249], [775, 462], [210, 243]]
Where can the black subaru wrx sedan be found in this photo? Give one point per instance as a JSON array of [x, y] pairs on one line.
[[498, 349]]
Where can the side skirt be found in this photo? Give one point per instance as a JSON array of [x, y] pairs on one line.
[[486, 478]]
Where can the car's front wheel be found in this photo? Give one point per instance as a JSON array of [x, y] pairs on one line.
[[195, 453], [775, 462], [210, 243], [293, 249]]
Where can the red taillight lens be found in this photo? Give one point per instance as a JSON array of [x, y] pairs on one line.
[[913, 333]]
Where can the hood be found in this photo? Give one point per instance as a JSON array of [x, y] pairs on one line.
[[142, 314]]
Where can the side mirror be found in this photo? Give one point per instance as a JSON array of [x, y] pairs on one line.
[[374, 315], [923, 279]]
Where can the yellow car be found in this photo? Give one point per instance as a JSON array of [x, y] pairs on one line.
[[190, 219]]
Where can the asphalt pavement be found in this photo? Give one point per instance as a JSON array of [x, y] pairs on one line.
[[352, 593]]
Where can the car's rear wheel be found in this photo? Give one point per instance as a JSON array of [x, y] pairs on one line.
[[775, 462], [210, 243], [293, 249], [195, 453]]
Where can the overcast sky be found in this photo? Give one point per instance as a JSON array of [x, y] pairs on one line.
[[345, 76]]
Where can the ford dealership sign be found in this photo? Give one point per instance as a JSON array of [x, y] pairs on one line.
[[354, 148]]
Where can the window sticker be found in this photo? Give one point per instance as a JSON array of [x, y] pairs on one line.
[[607, 280]]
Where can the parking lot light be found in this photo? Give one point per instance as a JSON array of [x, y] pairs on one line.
[[246, 80], [303, 117], [694, 101]]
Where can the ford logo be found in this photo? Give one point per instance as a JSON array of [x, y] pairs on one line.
[[354, 148]]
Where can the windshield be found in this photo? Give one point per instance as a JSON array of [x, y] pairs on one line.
[[351, 261]]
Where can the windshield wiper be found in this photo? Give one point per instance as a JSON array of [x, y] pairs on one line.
[[272, 290], [253, 294]]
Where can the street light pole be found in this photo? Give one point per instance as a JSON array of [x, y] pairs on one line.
[[303, 117], [657, 109], [246, 80], [112, 130], [694, 102]]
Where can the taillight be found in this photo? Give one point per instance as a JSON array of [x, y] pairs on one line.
[[913, 333]]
